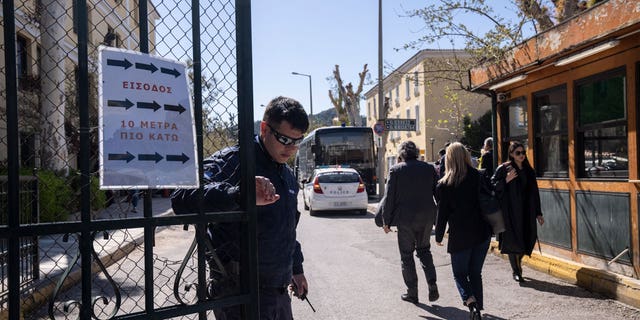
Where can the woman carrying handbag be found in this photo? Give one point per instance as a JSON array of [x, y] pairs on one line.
[[516, 187]]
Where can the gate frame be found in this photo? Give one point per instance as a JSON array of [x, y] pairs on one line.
[[249, 296]]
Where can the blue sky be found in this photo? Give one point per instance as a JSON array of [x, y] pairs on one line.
[[311, 37], [306, 36]]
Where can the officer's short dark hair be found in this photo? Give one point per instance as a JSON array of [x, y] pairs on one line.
[[408, 151], [282, 108]]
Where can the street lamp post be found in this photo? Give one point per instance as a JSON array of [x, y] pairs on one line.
[[310, 90], [432, 141]]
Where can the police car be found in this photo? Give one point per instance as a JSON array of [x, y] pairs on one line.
[[332, 189]]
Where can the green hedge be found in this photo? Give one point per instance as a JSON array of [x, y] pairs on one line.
[[60, 195]]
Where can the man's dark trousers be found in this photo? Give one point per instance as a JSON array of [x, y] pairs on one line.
[[416, 238]]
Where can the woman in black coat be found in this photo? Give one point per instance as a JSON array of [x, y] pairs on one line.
[[469, 234], [516, 187]]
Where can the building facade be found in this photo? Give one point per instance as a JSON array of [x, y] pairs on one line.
[[414, 91], [47, 40], [571, 95]]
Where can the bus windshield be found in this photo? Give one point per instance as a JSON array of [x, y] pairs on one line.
[[344, 148]]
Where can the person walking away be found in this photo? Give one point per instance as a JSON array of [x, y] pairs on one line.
[[516, 187], [408, 203], [469, 234], [442, 154], [486, 158], [279, 255]]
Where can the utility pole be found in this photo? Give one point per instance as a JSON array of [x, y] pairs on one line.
[[381, 108]]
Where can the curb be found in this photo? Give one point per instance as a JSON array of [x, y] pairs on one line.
[[609, 284], [40, 294]]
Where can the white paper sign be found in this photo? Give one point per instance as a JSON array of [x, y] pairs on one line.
[[147, 129]]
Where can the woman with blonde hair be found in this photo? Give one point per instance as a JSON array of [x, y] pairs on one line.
[[469, 234]]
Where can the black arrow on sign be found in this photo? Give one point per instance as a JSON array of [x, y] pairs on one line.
[[121, 156], [119, 103], [149, 67], [150, 157], [119, 63], [149, 105], [171, 107], [173, 72], [174, 157]]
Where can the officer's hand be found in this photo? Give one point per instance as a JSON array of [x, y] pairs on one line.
[[265, 192], [386, 228], [299, 286]]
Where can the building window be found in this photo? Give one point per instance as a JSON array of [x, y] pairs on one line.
[[514, 124], [375, 109], [22, 61], [27, 149], [407, 87], [416, 84], [397, 96], [417, 111], [550, 125], [601, 131], [638, 108]]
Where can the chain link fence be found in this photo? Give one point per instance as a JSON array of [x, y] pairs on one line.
[[53, 157]]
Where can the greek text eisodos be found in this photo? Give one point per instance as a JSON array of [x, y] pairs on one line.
[[144, 86], [149, 124], [150, 136]]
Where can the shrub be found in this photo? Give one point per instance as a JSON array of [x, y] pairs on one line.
[[55, 195]]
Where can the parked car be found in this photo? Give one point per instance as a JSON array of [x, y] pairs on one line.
[[335, 189]]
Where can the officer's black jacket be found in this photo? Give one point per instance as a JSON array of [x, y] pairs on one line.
[[279, 253]]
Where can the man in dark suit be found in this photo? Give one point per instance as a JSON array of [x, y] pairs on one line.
[[408, 203]]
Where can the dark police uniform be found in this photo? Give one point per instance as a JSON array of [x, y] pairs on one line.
[[279, 253]]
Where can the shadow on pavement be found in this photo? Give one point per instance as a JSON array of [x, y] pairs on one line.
[[559, 289], [352, 214], [450, 313]]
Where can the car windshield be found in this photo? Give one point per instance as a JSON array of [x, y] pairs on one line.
[[339, 177]]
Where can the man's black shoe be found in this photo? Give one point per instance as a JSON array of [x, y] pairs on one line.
[[518, 278], [408, 298], [433, 292]]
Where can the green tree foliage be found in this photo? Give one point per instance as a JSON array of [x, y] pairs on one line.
[[476, 131]]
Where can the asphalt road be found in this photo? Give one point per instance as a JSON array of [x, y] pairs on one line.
[[353, 270]]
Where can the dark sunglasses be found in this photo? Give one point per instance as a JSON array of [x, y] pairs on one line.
[[519, 153], [287, 141]]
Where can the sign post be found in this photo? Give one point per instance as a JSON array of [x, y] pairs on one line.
[[400, 124], [146, 125]]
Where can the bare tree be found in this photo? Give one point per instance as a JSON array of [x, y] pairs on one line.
[[53, 99], [444, 22], [347, 101]]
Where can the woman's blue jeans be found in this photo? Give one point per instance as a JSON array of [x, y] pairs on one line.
[[467, 271]]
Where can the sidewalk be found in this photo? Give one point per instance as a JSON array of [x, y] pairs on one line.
[[612, 285], [56, 254]]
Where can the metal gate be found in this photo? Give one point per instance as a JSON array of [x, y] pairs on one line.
[[97, 258]]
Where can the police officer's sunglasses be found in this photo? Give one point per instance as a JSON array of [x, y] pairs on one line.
[[287, 141]]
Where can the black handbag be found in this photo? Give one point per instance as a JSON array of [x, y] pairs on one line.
[[489, 204], [378, 217]]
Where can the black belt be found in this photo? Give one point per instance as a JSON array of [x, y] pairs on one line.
[[274, 290]]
